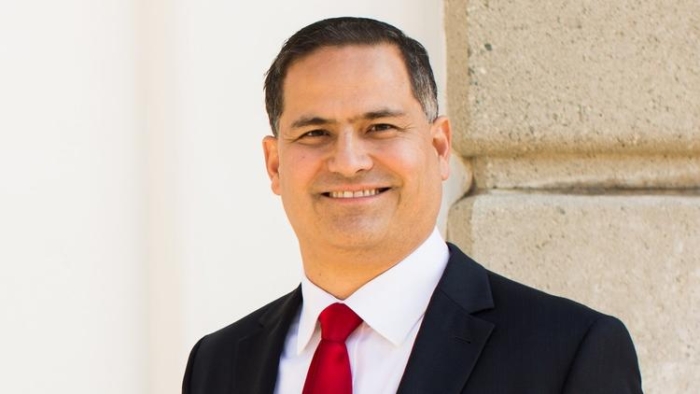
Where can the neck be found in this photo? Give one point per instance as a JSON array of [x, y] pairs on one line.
[[341, 272]]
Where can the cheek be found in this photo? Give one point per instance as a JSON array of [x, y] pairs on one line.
[[421, 173], [295, 171], [412, 162]]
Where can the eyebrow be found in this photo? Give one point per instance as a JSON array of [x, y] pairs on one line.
[[306, 121], [383, 113]]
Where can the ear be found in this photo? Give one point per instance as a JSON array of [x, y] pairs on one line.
[[272, 162], [442, 143]]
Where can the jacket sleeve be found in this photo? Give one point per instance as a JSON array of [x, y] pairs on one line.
[[605, 362]]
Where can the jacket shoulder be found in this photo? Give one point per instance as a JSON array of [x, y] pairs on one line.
[[213, 357], [520, 299], [569, 347], [590, 351], [250, 323]]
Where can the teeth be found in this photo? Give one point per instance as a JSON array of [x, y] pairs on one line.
[[356, 194]]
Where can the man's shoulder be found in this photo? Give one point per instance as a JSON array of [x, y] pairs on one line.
[[541, 339], [521, 305], [516, 296], [254, 320], [521, 311], [215, 357]]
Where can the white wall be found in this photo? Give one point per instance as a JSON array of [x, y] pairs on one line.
[[135, 211], [72, 236]]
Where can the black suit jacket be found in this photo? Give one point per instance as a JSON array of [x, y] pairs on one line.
[[481, 334]]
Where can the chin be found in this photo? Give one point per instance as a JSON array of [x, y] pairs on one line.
[[355, 239]]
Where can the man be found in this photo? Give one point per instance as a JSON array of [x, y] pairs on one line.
[[358, 157]]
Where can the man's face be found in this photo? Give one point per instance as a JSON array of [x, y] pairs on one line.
[[356, 162]]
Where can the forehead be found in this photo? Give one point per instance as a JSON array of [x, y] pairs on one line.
[[349, 61], [354, 53], [346, 78]]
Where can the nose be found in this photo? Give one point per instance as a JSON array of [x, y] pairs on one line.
[[350, 155]]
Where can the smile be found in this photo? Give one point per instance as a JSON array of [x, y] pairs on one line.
[[355, 194]]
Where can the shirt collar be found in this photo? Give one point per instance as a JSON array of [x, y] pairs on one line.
[[383, 303]]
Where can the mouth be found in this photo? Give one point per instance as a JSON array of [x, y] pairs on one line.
[[355, 193]]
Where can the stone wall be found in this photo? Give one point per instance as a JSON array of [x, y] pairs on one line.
[[579, 122]]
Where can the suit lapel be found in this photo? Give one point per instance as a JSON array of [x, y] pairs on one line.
[[450, 339], [257, 356]]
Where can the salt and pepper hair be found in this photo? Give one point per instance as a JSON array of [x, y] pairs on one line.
[[336, 32]]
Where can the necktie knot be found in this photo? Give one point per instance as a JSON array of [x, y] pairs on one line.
[[338, 321]]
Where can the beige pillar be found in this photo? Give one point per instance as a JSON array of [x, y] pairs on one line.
[[580, 123]]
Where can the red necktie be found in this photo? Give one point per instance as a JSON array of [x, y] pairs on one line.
[[329, 372]]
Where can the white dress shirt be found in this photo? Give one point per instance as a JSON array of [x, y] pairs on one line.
[[391, 306]]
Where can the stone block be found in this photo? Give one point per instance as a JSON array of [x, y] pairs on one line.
[[633, 256], [569, 76]]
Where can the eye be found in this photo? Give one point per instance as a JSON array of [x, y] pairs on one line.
[[313, 134], [381, 127]]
